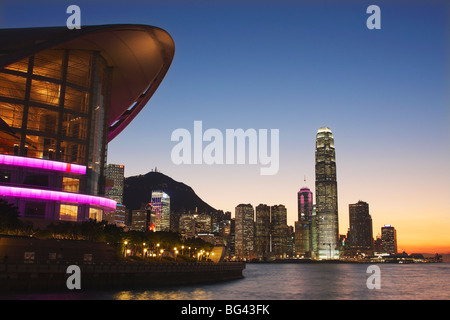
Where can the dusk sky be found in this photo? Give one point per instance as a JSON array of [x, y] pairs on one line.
[[297, 66]]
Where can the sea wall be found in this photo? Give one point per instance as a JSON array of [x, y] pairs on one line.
[[44, 277]]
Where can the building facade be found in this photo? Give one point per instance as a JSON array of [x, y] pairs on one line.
[[389, 239], [279, 230], [360, 234], [187, 225], [326, 196], [64, 94], [161, 208], [119, 217], [263, 232], [303, 226], [139, 220], [244, 232], [116, 174]]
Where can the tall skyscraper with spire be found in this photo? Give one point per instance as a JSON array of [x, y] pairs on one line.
[[326, 196]]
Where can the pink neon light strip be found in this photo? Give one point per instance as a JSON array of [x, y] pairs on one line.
[[41, 164], [30, 193]]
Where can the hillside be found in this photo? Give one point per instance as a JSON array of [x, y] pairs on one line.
[[138, 190]]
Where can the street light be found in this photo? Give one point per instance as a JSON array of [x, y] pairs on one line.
[[144, 250], [125, 248]]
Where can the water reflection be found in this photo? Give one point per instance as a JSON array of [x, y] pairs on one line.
[[293, 282], [164, 294]]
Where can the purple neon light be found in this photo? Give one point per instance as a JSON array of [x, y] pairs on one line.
[[30, 193], [41, 164]]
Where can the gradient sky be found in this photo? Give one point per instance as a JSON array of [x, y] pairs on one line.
[[297, 66]]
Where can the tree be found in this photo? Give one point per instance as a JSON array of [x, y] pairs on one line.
[[9, 218]]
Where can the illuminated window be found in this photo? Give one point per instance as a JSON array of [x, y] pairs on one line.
[[79, 67], [95, 214], [11, 114], [76, 100], [74, 126], [45, 92], [70, 184], [68, 212], [21, 66], [48, 64], [73, 152], [12, 86], [42, 120]]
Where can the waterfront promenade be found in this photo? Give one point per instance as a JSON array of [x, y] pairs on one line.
[[120, 275]]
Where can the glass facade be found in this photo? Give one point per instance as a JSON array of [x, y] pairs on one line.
[[116, 174], [326, 196], [54, 106], [263, 232], [389, 239], [278, 216], [360, 235], [161, 208], [244, 231], [303, 227]]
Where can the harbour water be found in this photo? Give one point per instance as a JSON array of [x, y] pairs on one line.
[[341, 281]]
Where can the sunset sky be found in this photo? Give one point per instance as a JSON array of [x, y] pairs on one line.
[[297, 66]]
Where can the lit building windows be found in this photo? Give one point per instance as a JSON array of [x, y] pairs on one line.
[[45, 92], [326, 197], [57, 105], [68, 212], [12, 86], [49, 64], [95, 214], [71, 184]]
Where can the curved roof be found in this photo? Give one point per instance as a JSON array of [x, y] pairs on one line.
[[140, 55], [323, 129]]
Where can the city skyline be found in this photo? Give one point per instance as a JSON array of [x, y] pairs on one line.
[[297, 67]]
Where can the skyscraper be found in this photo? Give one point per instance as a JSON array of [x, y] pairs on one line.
[[116, 173], [326, 196], [360, 235], [279, 230], [314, 233], [118, 217], [161, 207], [244, 231], [389, 239], [303, 226], [262, 232], [305, 204]]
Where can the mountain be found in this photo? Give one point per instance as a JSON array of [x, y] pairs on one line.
[[138, 191]]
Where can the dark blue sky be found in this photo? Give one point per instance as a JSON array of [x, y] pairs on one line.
[[294, 66]]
